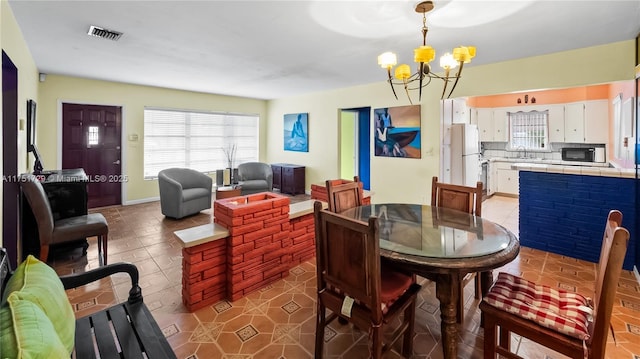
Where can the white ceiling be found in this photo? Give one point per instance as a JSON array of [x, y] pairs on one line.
[[271, 49]]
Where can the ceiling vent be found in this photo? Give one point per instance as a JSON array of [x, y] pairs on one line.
[[104, 33]]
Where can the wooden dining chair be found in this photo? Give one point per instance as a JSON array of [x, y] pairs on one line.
[[553, 317], [54, 232], [352, 286], [343, 196], [464, 199]]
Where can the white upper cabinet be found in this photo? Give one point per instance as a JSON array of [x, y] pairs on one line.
[[596, 121], [574, 122], [556, 122], [587, 122], [500, 125], [484, 118], [460, 111], [492, 124]]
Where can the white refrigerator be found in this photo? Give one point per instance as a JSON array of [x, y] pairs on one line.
[[465, 154]]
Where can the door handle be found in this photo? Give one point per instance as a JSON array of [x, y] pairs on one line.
[[117, 162]]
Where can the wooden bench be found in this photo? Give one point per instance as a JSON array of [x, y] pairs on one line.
[[125, 330]]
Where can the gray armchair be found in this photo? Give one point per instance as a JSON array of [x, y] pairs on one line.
[[254, 177], [184, 192]]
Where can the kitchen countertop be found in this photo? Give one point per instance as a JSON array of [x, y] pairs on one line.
[[548, 162], [567, 167]]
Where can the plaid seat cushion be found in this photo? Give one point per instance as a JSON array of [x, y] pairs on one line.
[[565, 312]]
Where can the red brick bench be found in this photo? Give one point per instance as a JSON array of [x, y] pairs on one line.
[[255, 240]]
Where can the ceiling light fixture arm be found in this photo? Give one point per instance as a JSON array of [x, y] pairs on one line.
[[455, 83], [391, 83]]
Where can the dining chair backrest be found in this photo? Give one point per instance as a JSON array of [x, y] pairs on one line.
[[565, 329], [614, 248], [39, 203], [462, 198], [343, 196], [351, 284], [348, 258]]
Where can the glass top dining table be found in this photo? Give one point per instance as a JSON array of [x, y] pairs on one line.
[[443, 245]]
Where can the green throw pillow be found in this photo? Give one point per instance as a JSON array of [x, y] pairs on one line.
[[38, 283], [27, 333]]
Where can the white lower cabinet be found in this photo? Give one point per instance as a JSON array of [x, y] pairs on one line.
[[507, 178], [492, 179]]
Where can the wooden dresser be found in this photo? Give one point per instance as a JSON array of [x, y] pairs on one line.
[[288, 178]]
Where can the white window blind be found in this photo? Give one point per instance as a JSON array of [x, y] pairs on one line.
[[529, 130], [196, 140]]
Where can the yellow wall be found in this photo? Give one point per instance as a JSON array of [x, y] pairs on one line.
[[12, 42], [408, 180], [133, 99], [14, 45], [347, 144]]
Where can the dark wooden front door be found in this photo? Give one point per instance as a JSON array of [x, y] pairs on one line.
[[91, 139]]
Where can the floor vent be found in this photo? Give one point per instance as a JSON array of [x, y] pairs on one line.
[[104, 33]]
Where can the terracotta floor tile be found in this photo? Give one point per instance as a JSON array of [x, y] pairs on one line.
[[278, 321], [230, 343], [208, 350], [270, 351], [295, 352]]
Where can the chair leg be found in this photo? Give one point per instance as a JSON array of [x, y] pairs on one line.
[[375, 341], [490, 339], [104, 248], [478, 285], [320, 323], [410, 316], [505, 338], [460, 314], [44, 252]]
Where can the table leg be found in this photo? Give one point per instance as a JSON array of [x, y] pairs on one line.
[[486, 281], [448, 292]]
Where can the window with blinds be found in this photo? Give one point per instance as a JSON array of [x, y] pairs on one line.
[[196, 140], [529, 130]]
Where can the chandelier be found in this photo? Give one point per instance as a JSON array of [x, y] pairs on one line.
[[422, 56]]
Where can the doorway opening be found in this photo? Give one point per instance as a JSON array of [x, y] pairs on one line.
[[355, 144]]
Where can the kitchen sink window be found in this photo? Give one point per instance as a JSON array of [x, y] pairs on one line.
[[529, 131]]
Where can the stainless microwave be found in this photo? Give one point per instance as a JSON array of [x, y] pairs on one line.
[[586, 154]]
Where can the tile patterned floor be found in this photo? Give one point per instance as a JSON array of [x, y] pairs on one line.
[[278, 321]]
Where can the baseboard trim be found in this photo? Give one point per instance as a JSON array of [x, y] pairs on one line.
[[143, 200]]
